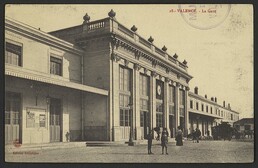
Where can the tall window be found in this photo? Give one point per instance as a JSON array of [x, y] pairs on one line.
[[171, 100], [144, 96], [144, 99], [211, 110], [207, 108], [197, 106], [13, 54], [182, 102], [159, 103], [144, 85], [191, 104], [125, 117], [159, 114], [124, 96], [202, 107], [55, 66]]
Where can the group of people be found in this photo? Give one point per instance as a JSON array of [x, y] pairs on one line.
[[196, 135], [164, 139]]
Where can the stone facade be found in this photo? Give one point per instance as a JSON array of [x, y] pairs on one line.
[[114, 85], [28, 119]]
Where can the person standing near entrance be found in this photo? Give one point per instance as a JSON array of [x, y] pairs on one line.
[[149, 137], [179, 137], [194, 136], [164, 141], [198, 134]]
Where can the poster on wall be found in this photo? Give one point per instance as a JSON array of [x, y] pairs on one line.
[[36, 118], [42, 120], [30, 119]]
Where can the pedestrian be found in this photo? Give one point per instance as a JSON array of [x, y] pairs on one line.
[[164, 141], [157, 129], [198, 134], [194, 136], [208, 133], [67, 135], [179, 137], [149, 137]]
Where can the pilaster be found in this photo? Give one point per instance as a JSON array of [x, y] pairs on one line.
[[166, 103], [177, 114], [186, 111], [153, 100], [114, 97], [136, 102]]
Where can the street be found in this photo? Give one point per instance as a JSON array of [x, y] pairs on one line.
[[203, 152]]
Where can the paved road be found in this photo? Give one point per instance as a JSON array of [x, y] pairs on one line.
[[204, 152]]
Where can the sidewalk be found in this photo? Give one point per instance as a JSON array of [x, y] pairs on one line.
[[32, 147], [203, 152], [10, 148]]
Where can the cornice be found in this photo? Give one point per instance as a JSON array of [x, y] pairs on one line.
[[151, 56], [191, 94], [35, 34]]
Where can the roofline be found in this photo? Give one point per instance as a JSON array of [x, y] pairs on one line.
[[209, 101], [24, 29]]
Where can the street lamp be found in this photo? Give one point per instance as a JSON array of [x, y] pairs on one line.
[[131, 143]]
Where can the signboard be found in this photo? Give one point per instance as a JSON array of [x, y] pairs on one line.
[[35, 118], [30, 119], [42, 120]]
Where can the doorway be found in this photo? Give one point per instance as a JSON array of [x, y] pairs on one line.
[[12, 118], [171, 123], [145, 123], [125, 122], [55, 120]]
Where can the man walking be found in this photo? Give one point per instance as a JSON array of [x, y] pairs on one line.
[[149, 137], [198, 134], [164, 141]]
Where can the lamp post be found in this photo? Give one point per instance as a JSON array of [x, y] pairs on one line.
[[131, 143]]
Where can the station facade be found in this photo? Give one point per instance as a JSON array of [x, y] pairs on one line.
[[96, 81]]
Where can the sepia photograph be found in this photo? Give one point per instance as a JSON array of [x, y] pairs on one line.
[[129, 83]]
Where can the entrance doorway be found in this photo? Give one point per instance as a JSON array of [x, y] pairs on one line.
[[145, 123], [171, 127], [182, 123], [12, 117], [55, 120], [125, 122]]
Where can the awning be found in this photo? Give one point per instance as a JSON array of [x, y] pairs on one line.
[[206, 114], [42, 77]]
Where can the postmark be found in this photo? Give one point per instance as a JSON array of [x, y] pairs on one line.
[[204, 16]]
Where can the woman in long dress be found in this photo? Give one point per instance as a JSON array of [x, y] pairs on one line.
[[179, 137]]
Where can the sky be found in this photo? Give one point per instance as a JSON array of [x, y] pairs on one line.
[[218, 47]]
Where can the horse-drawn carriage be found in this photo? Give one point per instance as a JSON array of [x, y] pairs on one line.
[[223, 131]]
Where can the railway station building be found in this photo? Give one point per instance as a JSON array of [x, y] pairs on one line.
[[97, 81]]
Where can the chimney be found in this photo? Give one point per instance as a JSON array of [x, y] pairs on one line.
[[205, 96], [224, 103], [196, 90], [216, 99], [229, 106], [212, 99]]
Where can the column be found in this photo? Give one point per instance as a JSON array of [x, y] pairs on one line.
[[153, 100], [186, 111], [166, 104], [114, 99], [136, 102], [177, 115]]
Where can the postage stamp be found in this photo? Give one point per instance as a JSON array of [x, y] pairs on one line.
[[204, 16]]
